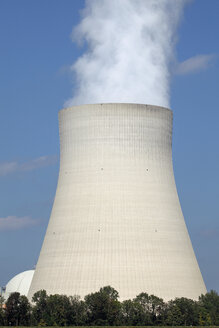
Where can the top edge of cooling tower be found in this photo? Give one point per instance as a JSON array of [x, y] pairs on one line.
[[129, 105]]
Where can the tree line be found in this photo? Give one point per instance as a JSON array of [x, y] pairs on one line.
[[103, 308]]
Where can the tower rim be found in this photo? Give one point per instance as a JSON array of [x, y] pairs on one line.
[[155, 107]]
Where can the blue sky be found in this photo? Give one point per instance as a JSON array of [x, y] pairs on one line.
[[36, 52]]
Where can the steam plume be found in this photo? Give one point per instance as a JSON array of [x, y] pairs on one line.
[[129, 47]]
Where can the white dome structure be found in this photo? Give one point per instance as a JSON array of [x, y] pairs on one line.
[[19, 283]]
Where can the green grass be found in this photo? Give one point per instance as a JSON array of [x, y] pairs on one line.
[[114, 326]]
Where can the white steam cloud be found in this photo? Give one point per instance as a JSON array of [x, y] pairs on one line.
[[129, 46]]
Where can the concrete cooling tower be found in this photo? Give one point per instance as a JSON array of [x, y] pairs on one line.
[[116, 218]]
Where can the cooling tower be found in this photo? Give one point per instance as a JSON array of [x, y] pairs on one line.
[[116, 218]]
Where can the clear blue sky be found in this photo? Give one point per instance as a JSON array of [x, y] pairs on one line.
[[35, 54]]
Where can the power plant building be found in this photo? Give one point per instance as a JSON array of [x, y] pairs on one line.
[[116, 218]]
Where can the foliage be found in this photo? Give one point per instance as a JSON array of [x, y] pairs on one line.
[[78, 314], [209, 303], [2, 317], [182, 312], [17, 310], [152, 308], [131, 314], [103, 308], [39, 312]]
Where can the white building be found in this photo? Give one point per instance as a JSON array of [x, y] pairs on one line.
[[116, 218], [19, 283]]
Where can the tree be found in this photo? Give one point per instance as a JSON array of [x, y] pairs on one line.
[[2, 312], [204, 317], [182, 312], [103, 307], [78, 312], [17, 310], [132, 314], [24, 310], [152, 308], [40, 309], [58, 310], [209, 308]]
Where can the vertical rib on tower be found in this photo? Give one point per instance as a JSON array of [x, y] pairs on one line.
[[116, 218]]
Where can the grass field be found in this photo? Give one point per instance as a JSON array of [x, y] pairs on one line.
[[115, 326]]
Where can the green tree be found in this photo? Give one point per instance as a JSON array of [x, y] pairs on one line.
[[2, 312], [174, 315], [204, 317], [25, 311], [17, 310], [40, 308], [182, 312], [58, 310], [103, 307], [78, 312], [209, 308], [132, 314], [152, 308]]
